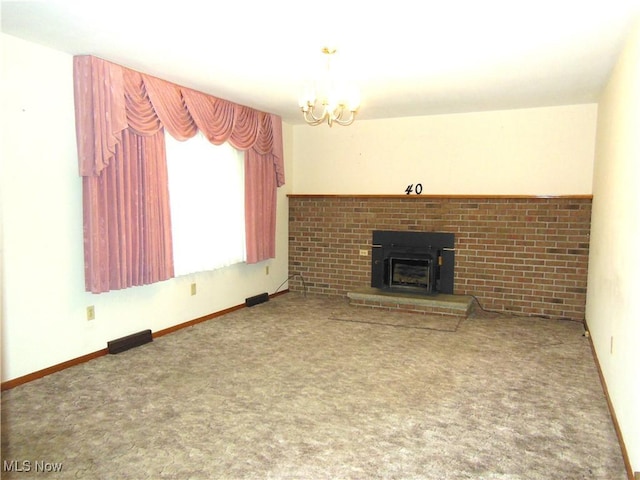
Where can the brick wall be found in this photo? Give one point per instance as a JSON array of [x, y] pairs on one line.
[[522, 255]]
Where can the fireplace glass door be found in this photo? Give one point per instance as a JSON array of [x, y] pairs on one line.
[[410, 273], [419, 262]]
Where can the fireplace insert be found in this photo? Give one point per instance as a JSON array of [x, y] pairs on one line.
[[420, 262]]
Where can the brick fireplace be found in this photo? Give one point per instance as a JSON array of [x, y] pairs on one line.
[[525, 255]]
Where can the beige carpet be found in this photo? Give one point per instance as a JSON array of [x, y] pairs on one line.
[[312, 388]]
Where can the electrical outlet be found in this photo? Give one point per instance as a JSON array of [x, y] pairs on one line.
[[364, 253], [91, 313], [193, 289], [266, 269], [611, 346]]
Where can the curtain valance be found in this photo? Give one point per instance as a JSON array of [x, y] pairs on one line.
[[111, 98], [121, 118]]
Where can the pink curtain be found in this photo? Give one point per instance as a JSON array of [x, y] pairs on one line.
[[260, 189], [120, 117]]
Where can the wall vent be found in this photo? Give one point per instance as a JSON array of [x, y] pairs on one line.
[[255, 300], [125, 343]]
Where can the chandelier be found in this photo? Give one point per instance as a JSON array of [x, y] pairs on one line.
[[330, 98]]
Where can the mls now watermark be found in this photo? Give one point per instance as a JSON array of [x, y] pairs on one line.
[[38, 466]]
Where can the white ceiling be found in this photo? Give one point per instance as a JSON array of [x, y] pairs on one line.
[[407, 57]]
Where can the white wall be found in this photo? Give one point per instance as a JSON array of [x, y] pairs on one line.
[[541, 151], [43, 299], [613, 310]]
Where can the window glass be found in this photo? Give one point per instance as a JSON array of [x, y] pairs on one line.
[[206, 196]]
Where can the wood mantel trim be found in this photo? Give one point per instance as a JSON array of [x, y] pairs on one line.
[[417, 197]]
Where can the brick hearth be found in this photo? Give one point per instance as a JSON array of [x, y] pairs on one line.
[[435, 304]]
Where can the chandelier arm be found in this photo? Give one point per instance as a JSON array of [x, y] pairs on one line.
[[310, 118], [321, 117], [312, 110], [348, 122]]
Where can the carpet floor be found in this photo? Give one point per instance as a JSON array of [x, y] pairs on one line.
[[308, 387]]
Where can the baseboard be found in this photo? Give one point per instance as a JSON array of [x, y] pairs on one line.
[[211, 316], [196, 321], [616, 425], [15, 382], [9, 384]]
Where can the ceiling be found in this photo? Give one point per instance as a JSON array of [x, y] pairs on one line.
[[407, 57]]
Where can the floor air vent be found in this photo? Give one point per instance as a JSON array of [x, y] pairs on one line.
[[125, 343], [251, 301]]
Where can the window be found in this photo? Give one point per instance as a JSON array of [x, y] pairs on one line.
[[206, 198]]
